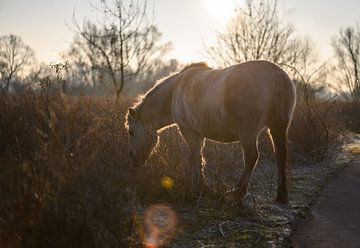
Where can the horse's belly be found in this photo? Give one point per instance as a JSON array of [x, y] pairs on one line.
[[224, 139], [222, 132]]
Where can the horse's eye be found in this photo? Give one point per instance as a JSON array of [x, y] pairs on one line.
[[131, 133]]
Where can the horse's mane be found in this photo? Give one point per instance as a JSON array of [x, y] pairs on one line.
[[196, 65], [161, 83]]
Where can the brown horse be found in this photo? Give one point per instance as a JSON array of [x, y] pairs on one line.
[[224, 105]]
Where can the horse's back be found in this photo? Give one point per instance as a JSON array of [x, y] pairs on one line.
[[261, 91], [216, 102], [198, 103]]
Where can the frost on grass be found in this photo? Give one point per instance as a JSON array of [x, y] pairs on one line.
[[259, 221]]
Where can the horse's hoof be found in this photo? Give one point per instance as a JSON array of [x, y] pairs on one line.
[[241, 195], [281, 199], [232, 198]]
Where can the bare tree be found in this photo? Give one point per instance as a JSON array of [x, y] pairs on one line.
[[159, 70], [256, 32], [120, 46], [346, 46], [14, 57]]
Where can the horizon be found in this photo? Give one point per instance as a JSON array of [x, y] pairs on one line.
[[45, 25]]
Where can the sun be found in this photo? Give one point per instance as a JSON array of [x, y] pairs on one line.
[[221, 10]]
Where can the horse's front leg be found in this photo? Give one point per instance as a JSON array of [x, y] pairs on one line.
[[195, 144]]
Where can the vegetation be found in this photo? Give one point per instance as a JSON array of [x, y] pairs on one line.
[[347, 52], [123, 47], [256, 32], [14, 57], [66, 178]]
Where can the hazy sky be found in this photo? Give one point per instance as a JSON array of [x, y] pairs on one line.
[[186, 23]]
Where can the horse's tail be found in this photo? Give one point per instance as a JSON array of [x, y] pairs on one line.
[[284, 99]]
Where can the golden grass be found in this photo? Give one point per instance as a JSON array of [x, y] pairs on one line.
[[66, 178]]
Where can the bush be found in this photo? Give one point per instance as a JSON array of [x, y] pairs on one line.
[[64, 171], [316, 131], [349, 112]]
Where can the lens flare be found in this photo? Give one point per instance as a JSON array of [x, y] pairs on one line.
[[159, 225], [167, 182]]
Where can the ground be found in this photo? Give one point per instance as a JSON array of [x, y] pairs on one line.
[[261, 222], [334, 221]]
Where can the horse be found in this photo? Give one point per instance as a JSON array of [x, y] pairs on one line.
[[233, 104]]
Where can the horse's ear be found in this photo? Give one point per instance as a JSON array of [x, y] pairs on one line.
[[132, 113]]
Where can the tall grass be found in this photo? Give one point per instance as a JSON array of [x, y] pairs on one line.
[[66, 178], [64, 170]]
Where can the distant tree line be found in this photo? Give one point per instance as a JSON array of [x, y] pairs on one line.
[[257, 32], [15, 57], [125, 46], [122, 53]]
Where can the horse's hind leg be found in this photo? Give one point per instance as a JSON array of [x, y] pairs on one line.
[[251, 156], [278, 134]]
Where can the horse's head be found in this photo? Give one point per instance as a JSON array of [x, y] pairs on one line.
[[141, 141]]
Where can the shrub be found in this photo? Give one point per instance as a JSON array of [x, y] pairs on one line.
[[64, 171], [349, 112], [316, 132]]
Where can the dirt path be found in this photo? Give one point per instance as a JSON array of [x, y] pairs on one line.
[[335, 218]]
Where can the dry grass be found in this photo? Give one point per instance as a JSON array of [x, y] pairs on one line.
[[64, 170], [316, 131], [66, 179]]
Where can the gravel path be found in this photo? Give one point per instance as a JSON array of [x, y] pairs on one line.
[[335, 218]]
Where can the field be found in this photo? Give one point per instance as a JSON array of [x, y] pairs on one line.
[[68, 78], [66, 178]]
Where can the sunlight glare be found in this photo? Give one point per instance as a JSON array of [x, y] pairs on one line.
[[159, 226], [221, 10]]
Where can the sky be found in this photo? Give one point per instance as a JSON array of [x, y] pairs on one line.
[[188, 24]]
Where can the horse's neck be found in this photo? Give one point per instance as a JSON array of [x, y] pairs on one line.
[[156, 106]]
